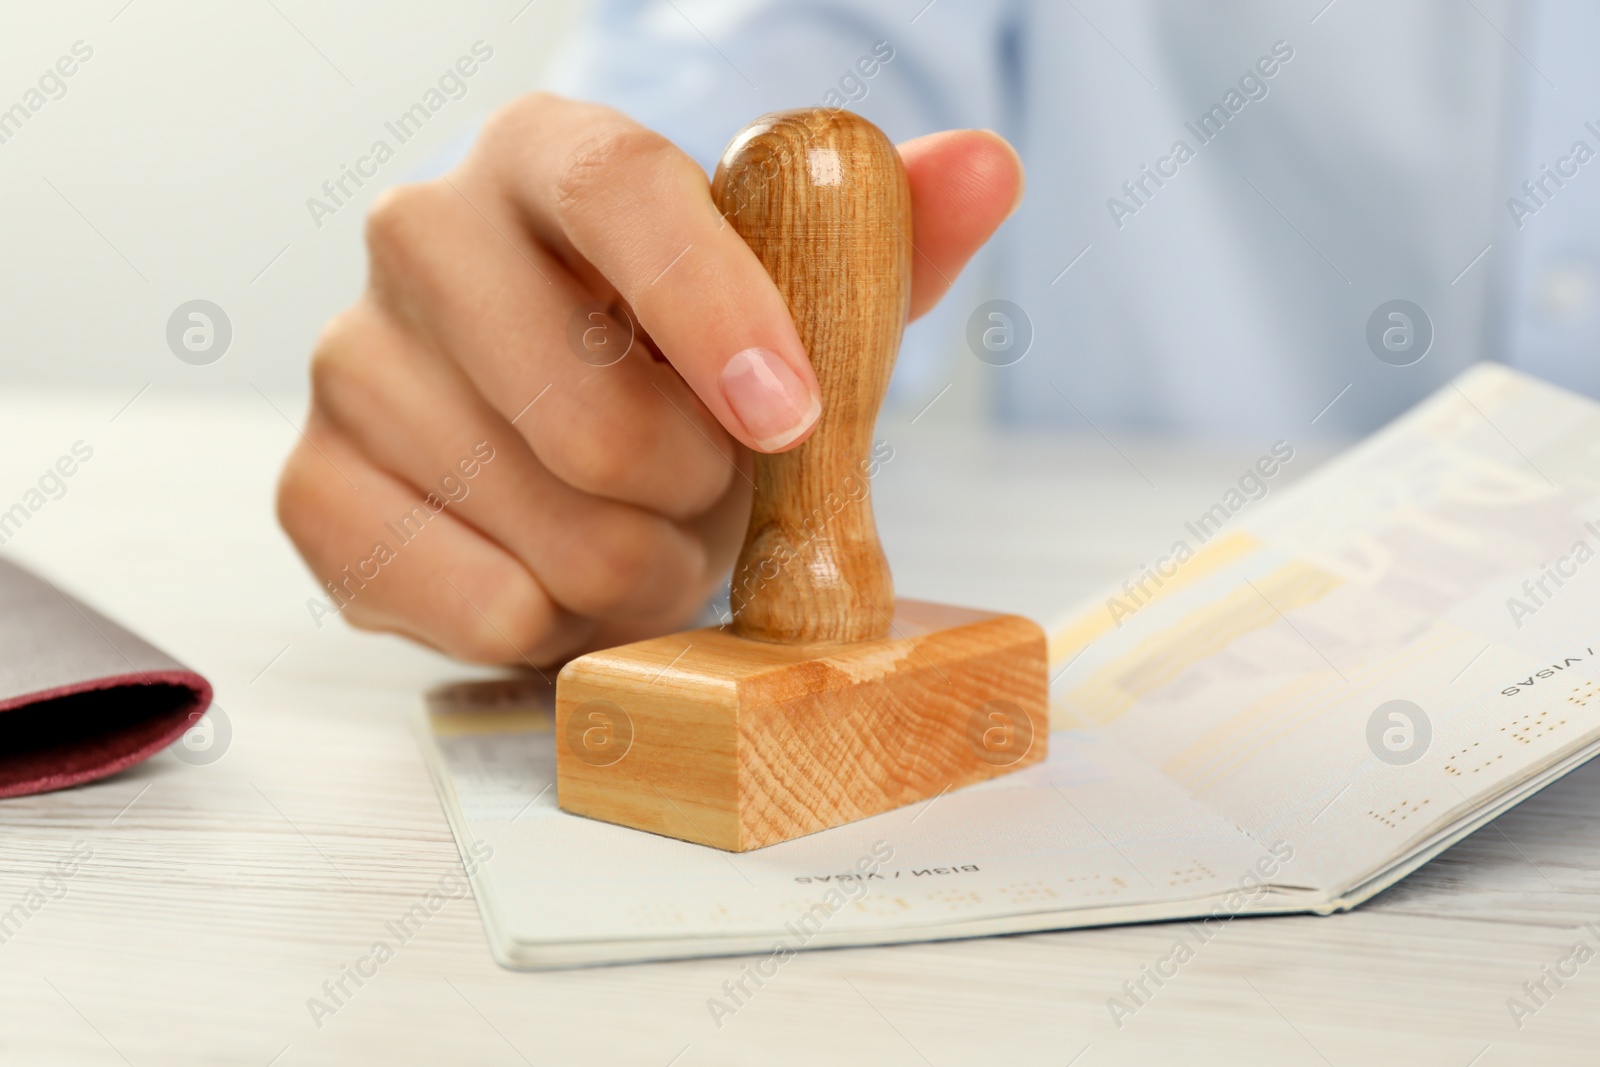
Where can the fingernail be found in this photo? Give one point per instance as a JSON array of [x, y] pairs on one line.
[[769, 399]]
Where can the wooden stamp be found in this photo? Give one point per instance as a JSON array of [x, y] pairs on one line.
[[824, 700]]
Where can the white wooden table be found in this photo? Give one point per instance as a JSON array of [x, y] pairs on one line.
[[219, 898]]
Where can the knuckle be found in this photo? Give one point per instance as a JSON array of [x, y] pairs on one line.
[[617, 562], [516, 623], [603, 465], [338, 362], [612, 468], [400, 218], [510, 123], [363, 616], [297, 492], [478, 642], [623, 441], [597, 162]]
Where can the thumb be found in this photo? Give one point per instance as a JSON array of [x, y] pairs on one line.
[[964, 184]]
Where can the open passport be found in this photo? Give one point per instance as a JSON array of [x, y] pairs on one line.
[[1298, 707]]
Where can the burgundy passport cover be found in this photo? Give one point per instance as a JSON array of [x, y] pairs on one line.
[[80, 697]]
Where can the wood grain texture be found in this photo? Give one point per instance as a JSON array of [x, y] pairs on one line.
[[826, 702], [820, 196], [714, 738], [221, 897]]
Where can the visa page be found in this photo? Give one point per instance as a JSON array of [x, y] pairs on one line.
[[1324, 685]]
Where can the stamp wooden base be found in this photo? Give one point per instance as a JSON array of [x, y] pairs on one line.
[[814, 707], [737, 743]]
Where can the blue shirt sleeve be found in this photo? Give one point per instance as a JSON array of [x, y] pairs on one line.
[[697, 72]]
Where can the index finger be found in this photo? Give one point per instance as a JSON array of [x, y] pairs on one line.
[[599, 187]]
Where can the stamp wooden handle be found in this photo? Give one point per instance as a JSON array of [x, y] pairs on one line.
[[820, 196]]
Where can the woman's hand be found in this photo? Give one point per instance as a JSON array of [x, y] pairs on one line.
[[478, 475]]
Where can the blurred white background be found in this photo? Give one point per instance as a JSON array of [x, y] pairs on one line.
[[178, 161]]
